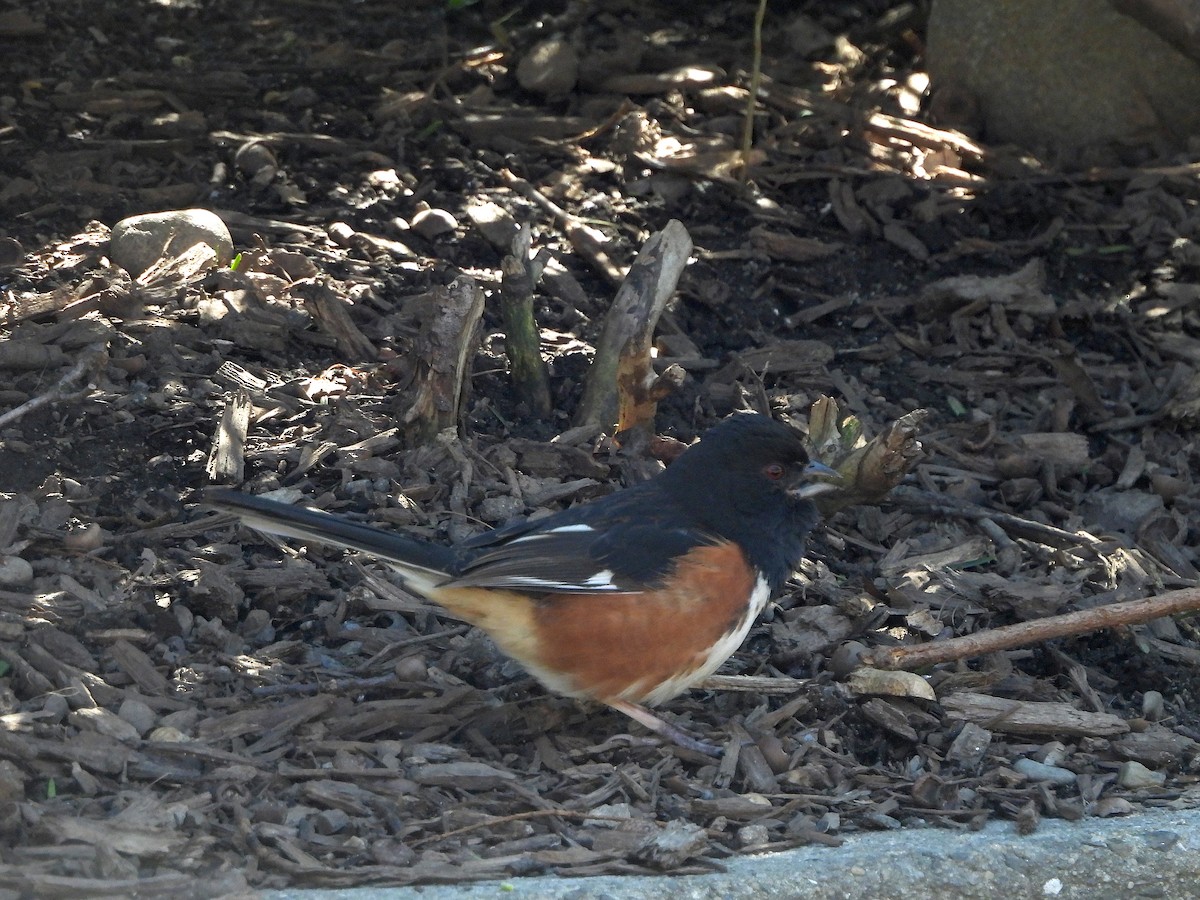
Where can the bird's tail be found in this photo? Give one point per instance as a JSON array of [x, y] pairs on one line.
[[422, 564]]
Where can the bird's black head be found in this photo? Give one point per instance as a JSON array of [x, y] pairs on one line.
[[754, 451], [741, 480]]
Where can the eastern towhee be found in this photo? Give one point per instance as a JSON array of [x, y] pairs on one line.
[[629, 599]]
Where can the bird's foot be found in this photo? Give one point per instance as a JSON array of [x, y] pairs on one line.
[[665, 729]]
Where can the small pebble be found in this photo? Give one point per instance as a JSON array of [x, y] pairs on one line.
[[1133, 775], [411, 668], [11, 253], [1112, 806], [83, 540], [1168, 486], [1036, 771], [340, 233], [753, 835], [970, 745], [500, 509], [87, 783], [15, 571], [56, 708], [168, 735], [184, 617], [1052, 753], [330, 821], [257, 625], [183, 720], [137, 714], [254, 156], [431, 223], [549, 68], [846, 658], [1152, 705]]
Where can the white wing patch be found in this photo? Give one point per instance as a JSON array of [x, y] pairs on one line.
[[562, 529], [601, 581]]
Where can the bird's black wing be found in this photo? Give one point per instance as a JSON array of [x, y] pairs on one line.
[[625, 543]]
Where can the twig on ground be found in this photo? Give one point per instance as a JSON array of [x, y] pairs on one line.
[[753, 684], [227, 459], [556, 812], [927, 503], [94, 356], [1023, 634], [587, 241]]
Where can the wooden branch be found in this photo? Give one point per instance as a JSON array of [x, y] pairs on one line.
[[522, 343], [928, 503], [443, 356], [622, 388], [227, 460], [93, 358], [753, 684], [1031, 716], [332, 314], [1023, 634], [588, 242]]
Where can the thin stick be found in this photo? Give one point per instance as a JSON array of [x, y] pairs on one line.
[[588, 242], [914, 500], [90, 359], [556, 813], [755, 83], [753, 684], [1130, 612]]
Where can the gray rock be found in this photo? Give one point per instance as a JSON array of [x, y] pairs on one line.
[[1149, 854], [500, 508], [137, 714], [431, 223], [1036, 771], [1134, 776], [1063, 75], [138, 242], [15, 571], [549, 68]]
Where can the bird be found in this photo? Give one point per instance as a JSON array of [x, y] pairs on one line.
[[629, 599]]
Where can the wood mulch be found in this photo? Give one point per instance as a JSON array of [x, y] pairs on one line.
[[188, 709]]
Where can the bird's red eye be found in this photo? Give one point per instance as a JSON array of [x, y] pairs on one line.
[[774, 471]]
